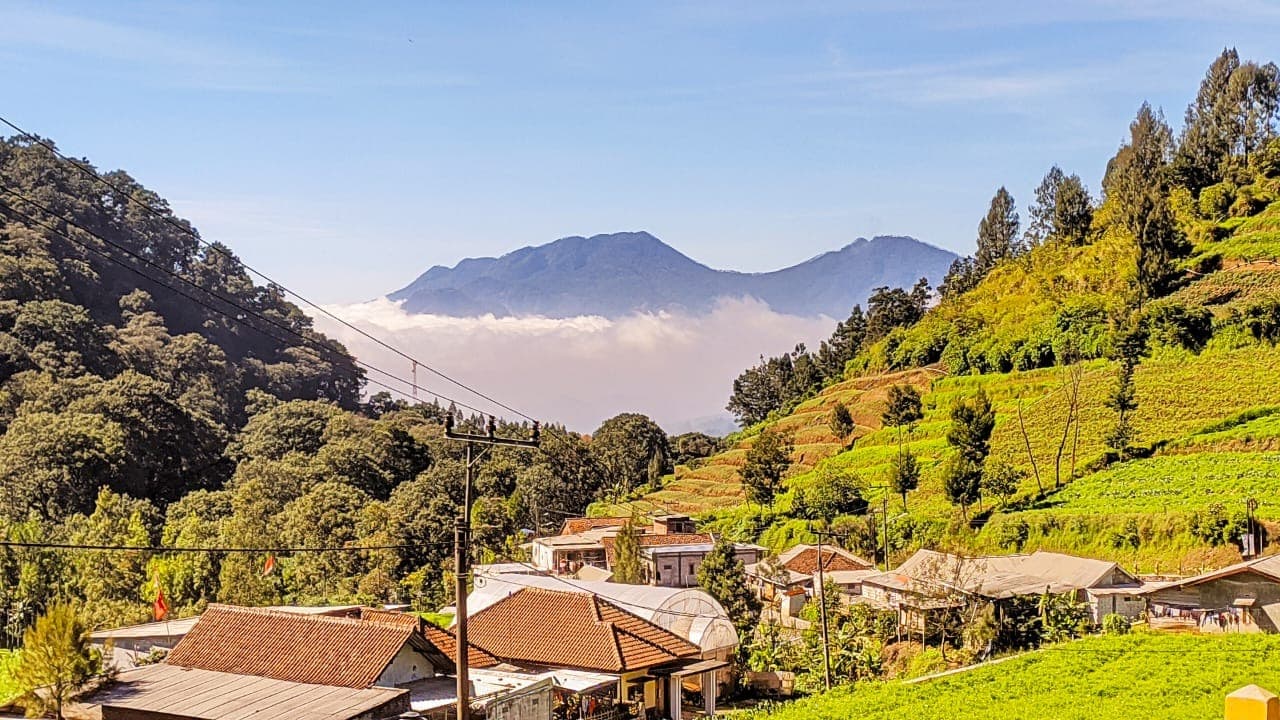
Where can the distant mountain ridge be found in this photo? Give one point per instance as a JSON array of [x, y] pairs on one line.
[[621, 273]]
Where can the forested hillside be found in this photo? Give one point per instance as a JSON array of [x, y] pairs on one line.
[[1100, 379], [151, 393]]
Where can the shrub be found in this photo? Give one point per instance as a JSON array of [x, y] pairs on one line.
[[1013, 534], [1215, 200], [1180, 326], [926, 662], [1115, 624]]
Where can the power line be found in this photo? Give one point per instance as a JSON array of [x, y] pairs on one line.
[[315, 343], [168, 219], [182, 549]]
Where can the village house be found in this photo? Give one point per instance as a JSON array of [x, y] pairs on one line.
[[798, 568], [931, 581], [671, 550], [690, 613], [240, 662], [645, 664], [1244, 597]]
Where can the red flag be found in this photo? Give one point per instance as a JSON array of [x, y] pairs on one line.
[[160, 607], [269, 565]]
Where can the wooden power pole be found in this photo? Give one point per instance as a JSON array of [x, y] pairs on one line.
[[462, 542]]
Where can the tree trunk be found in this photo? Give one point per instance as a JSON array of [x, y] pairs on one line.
[[1026, 440]]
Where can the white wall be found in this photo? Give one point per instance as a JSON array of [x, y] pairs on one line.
[[408, 665]]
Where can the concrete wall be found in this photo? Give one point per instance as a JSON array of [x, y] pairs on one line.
[[407, 666], [533, 705], [1221, 594]]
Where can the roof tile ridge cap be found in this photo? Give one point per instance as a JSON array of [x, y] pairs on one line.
[[655, 626], [649, 642]]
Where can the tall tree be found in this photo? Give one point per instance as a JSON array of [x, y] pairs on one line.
[[840, 421], [904, 474], [972, 422], [1124, 399], [843, 345], [625, 445], [1072, 211], [768, 459], [962, 482], [1062, 210], [1234, 114], [1137, 185], [997, 233], [903, 408], [57, 662], [626, 554], [890, 308], [723, 576], [1040, 213]]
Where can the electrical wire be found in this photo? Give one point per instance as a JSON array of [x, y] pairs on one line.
[[182, 549], [315, 343], [168, 219]]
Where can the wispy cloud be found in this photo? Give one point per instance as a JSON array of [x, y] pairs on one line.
[[677, 368], [188, 61]]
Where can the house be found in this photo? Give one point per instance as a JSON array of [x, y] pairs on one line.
[[798, 568], [170, 692], [690, 613], [672, 559], [134, 643], [929, 581], [1244, 597], [567, 554], [670, 549], [582, 632], [363, 665]]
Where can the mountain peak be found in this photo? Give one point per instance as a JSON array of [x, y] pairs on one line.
[[616, 274]]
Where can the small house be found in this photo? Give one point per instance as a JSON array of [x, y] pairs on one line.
[[1244, 597]]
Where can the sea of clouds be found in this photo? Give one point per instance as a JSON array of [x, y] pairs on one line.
[[677, 368]]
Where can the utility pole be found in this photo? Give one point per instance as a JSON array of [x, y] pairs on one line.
[[822, 612], [462, 542]]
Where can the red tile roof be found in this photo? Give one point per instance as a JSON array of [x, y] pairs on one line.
[[444, 640], [574, 630], [573, 526], [656, 541], [806, 562], [315, 649]]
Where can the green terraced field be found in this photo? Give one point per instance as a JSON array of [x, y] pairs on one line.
[[1177, 483], [1141, 676]]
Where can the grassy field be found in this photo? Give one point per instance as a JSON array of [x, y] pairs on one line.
[[8, 691], [1171, 677], [1177, 483]]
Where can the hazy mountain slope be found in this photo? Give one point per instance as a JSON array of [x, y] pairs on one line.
[[617, 274]]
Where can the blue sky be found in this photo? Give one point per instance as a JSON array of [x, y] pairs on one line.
[[346, 148]]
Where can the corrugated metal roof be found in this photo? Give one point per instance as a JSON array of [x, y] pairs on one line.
[[213, 695], [1000, 576], [1268, 566]]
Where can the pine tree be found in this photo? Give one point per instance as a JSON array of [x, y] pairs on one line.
[[626, 555], [1072, 211], [723, 576], [1041, 226], [841, 421], [1137, 185], [904, 474], [768, 459], [997, 234], [972, 422], [57, 661]]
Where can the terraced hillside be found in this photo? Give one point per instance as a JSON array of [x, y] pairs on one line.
[[715, 484], [1173, 677]]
